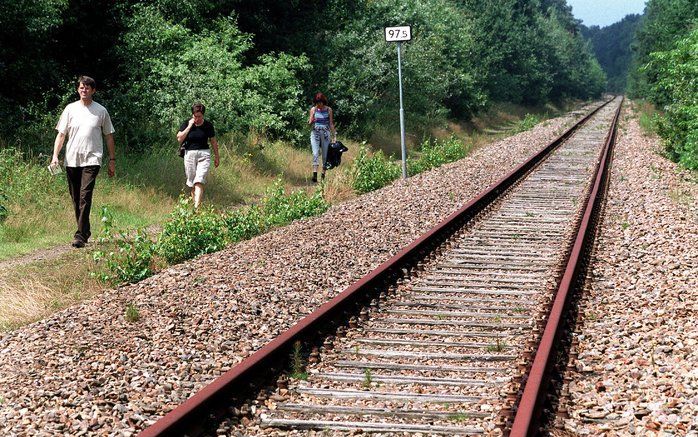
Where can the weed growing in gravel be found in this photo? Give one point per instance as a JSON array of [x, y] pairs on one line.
[[528, 122], [129, 257], [656, 172], [529, 214], [434, 154], [298, 363], [625, 225], [368, 378], [680, 197], [459, 417], [519, 310], [190, 232], [497, 347], [132, 314]]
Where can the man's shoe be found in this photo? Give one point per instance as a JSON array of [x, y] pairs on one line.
[[77, 243]]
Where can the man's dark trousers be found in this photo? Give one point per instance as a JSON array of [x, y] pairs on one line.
[[81, 183]]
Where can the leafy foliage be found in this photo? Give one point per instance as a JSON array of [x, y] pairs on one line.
[[664, 23], [371, 172], [252, 61], [434, 154], [130, 257], [528, 122], [192, 232], [666, 74], [612, 47], [207, 66], [677, 71]]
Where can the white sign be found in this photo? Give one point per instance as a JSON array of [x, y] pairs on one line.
[[398, 33]]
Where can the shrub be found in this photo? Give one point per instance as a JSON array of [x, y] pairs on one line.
[[279, 209], [678, 70], [435, 154], [244, 223], [528, 122], [131, 256], [190, 232], [210, 64], [372, 172]]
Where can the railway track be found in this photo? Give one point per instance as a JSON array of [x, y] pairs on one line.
[[442, 344]]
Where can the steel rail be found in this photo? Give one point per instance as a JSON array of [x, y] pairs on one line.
[[527, 417], [236, 384]]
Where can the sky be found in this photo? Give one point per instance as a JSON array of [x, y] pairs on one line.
[[604, 12]]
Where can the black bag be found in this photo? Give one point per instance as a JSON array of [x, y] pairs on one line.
[[182, 149], [334, 154]]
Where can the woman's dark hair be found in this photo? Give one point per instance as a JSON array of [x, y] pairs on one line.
[[198, 107], [87, 81], [320, 97]]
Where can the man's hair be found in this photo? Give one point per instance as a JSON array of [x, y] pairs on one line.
[[87, 81], [320, 97], [198, 107]]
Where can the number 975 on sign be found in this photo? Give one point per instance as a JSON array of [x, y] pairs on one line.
[[398, 33]]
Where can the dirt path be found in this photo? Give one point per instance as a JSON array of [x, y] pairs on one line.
[[38, 255]]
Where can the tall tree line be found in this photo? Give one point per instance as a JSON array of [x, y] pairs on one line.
[[256, 62], [665, 72], [613, 49]]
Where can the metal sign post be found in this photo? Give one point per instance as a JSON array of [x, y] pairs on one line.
[[399, 34]]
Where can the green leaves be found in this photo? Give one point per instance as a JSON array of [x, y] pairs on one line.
[[675, 82], [207, 65], [371, 172], [190, 232]]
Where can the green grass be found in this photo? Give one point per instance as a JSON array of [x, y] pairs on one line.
[[132, 314], [146, 189]]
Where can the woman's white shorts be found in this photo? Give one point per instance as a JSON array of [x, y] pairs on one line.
[[196, 165]]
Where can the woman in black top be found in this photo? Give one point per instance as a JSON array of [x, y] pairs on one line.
[[195, 134]]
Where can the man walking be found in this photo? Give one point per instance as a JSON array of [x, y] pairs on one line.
[[85, 122]]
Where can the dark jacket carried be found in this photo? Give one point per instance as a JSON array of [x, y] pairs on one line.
[[334, 154]]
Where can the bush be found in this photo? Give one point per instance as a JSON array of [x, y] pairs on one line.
[[528, 123], [435, 154], [190, 232], [208, 65], [678, 70], [132, 257], [279, 209], [373, 172]]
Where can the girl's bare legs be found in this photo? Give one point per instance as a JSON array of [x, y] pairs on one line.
[[197, 193]]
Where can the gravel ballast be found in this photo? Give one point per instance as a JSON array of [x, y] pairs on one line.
[[636, 371], [88, 371]]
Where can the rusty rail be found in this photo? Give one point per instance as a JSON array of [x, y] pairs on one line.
[[238, 383], [526, 420]]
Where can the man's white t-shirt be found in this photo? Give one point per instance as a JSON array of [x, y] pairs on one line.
[[85, 127]]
